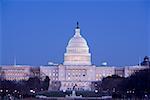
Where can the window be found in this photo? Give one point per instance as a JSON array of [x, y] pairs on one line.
[[53, 74]]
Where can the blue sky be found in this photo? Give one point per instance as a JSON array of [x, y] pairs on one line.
[[37, 31]]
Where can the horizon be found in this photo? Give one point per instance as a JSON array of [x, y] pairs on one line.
[[36, 32]]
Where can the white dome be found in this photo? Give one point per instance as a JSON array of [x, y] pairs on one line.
[[79, 42], [77, 51]]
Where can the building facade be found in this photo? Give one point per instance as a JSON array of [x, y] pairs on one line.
[[15, 72]]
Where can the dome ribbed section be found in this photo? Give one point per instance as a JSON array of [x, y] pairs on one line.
[[77, 42], [77, 51]]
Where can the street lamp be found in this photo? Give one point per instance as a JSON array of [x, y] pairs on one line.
[[15, 90], [96, 91], [32, 91], [64, 90], [6, 90]]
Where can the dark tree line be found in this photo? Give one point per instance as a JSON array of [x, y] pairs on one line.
[[23, 88], [138, 84], [135, 86]]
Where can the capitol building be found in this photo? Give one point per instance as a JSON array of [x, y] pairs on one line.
[[76, 71]]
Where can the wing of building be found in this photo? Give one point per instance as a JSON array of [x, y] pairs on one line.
[[18, 72]]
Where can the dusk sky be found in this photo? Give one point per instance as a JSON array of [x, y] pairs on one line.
[[37, 31]]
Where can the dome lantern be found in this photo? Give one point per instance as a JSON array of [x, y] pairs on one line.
[[77, 31]]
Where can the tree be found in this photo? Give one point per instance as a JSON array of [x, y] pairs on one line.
[[138, 84], [112, 83], [34, 83], [45, 84]]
